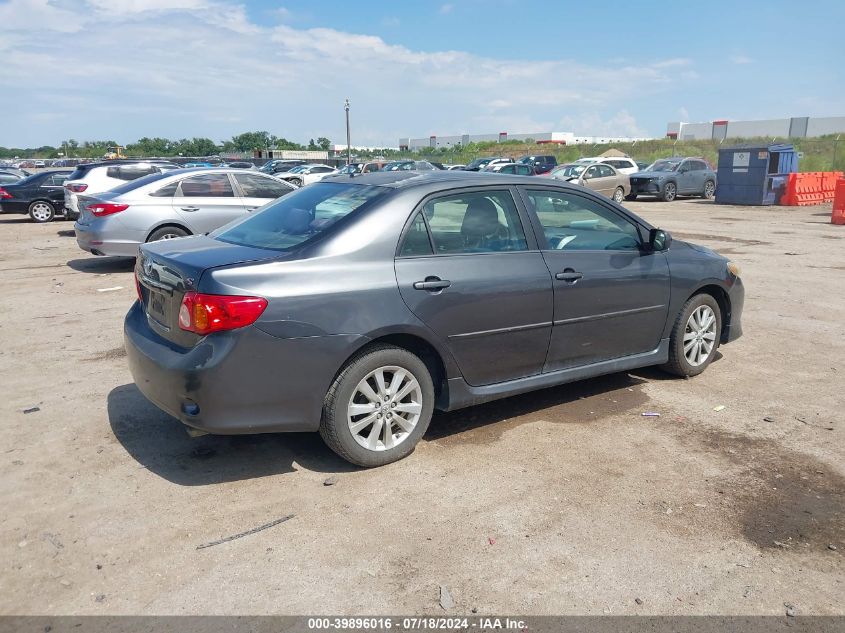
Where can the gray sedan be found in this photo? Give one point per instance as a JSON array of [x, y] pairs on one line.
[[170, 205], [601, 178], [357, 306]]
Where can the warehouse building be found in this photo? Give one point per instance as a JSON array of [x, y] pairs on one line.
[[795, 127], [556, 138]]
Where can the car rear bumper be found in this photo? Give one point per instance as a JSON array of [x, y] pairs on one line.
[[238, 382], [100, 241]]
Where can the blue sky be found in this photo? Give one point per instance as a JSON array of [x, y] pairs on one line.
[[122, 69]]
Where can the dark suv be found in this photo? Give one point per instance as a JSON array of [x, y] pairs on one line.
[[668, 178], [541, 164]]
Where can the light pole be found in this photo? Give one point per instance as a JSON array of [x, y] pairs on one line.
[[348, 142]]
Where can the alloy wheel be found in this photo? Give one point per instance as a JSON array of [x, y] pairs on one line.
[[41, 212], [669, 192], [618, 195], [384, 408], [709, 189], [700, 335]]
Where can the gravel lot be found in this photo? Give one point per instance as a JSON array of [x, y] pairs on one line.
[[564, 501]]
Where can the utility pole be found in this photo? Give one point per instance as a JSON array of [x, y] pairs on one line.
[[348, 142]]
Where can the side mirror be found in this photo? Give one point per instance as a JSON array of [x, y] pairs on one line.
[[659, 240]]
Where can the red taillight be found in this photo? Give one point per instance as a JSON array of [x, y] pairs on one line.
[[106, 208], [4, 195], [204, 314], [76, 188]]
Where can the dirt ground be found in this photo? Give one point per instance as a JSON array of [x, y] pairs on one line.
[[564, 501]]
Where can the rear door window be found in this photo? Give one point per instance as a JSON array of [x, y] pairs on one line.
[[258, 186], [206, 186], [478, 222], [131, 172]]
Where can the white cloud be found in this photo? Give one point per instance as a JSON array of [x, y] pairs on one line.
[[207, 70]]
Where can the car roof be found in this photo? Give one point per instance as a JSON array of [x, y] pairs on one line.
[[409, 179]]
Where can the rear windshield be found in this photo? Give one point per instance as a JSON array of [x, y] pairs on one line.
[[132, 185], [299, 216]]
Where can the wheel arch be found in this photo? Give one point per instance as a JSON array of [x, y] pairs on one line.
[[723, 299], [439, 364], [168, 223]]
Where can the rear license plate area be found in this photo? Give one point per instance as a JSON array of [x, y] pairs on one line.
[[157, 307]]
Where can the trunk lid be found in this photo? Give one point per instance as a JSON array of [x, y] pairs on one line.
[[166, 270]]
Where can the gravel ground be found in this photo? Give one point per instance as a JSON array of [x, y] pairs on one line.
[[564, 501]]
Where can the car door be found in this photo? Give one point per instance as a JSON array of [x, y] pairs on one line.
[[698, 172], [207, 201], [52, 187], [600, 179], [686, 177], [466, 268], [610, 296], [257, 189]]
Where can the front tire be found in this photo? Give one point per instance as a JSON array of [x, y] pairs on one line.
[[378, 407], [695, 336], [619, 195], [41, 212], [296, 181], [670, 192]]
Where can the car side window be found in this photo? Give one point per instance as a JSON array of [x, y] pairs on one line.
[[572, 222], [206, 186], [168, 191], [416, 241], [256, 186], [606, 171], [477, 222], [592, 172]]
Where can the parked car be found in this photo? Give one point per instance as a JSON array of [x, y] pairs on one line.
[[599, 177], [517, 169], [408, 165], [355, 307], [14, 171], [240, 164], [164, 206], [279, 166], [437, 165], [668, 178], [451, 167], [197, 164], [622, 164], [361, 168], [40, 195], [8, 177], [93, 178], [480, 163], [306, 174], [540, 164], [39, 164]]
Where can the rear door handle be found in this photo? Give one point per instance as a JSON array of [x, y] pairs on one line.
[[569, 275], [190, 208], [432, 284]]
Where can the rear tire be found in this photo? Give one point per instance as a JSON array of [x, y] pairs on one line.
[[362, 419], [41, 212], [695, 337], [619, 195], [296, 181], [709, 190], [670, 192], [167, 233]]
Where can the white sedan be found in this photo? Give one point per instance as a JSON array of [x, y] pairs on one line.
[[306, 174]]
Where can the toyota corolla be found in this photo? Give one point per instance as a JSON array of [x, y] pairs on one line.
[[359, 305]]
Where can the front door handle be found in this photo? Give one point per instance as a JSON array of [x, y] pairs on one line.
[[190, 208], [569, 275], [433, 284]]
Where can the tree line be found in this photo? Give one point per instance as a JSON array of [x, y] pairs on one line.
[[148, 147]]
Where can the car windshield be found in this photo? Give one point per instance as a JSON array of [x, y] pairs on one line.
[[568, 171], [137, 183], [663, 165], [399, 165], [478, 163], [299, 216], [352, 168], [297, 169]]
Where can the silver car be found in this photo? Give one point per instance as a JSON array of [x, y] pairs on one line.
[[170, 205]]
